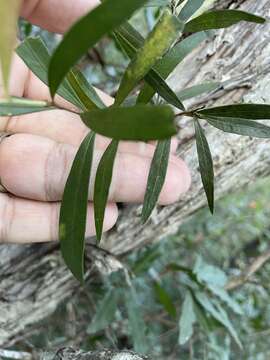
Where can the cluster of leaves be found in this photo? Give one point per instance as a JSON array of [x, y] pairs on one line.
[[151, 60]]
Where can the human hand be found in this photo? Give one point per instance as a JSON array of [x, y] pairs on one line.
[[35, 161]]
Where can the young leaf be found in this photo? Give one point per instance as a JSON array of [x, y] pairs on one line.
[[157, 3], [205, 163], [240, 126], [73, 211], [105, 312], [136, 322], [168, 63], [140, 122], [242, 111], [130, 41], [154, 47], [9, 12], [156, 177], [74, 88], [102, 185], [187, 319], [219, 19], [164, 298], [86, 33], [189, 9], [18, 106]]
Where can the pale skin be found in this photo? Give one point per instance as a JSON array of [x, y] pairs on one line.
[[36, 159]]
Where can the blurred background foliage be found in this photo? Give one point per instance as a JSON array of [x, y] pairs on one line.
[[171, 303]]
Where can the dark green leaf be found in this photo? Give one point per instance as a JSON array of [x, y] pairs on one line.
[[144, 262], [164, 298], [152, 77], [86, 33], [154, 47], [137, 327], [140, 122], [219, 19], [242, 111], [18, 106], [187, 319], [156, 177], [168, 63], [105, 312], [206, 164], [240, 126], [197, 90], [73, 212], [102, 185], [74, 88], [189, 9]]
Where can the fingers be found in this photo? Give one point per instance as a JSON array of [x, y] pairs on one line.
[[25, 221], [37, 168], [55, 15]]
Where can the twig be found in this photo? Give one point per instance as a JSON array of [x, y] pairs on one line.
[[256, 265], [20, 355]]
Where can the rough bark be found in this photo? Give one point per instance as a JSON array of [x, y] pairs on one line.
[[33, 279]]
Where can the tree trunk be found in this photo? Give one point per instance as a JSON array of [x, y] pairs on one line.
[[34, 280]]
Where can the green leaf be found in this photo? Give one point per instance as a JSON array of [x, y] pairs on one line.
[[140, 122], [72, 223], [219, 19], [168, 63], [74, 88], [157, 3], [209, 274], [189, 9], [137, 327], [102, 185], [144, 262], [85, 34], [18, 106], [187, 319], [130, 41], [240, 126], [9, 12], [224, 296], [241, 111], [164, 298], [197, 90], [156, 177], [205, 163], [154, 47], [105, 312], [216, 310]]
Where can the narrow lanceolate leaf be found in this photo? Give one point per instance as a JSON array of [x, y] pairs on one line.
[[187, 320], [140, 122], [189, 9], [168, 63], [197, 90], [105, 312], [243, 111], [165, 300], [219, 19], [74, 88], [152, 77], [9, 12], [72, 223], [205, 163], [239, 126], [86, 33], [158, 42], [19, 106], [137, 326], [102, 185], [156, 178], [217, 312]]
